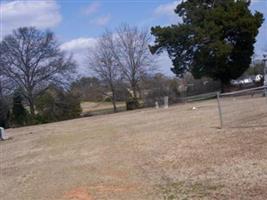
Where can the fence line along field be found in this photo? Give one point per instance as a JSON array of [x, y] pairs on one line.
[[174, 153]]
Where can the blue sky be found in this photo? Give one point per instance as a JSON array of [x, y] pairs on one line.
[[78, 23], [85, 18]]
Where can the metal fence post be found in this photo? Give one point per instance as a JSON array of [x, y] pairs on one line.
[[265, 73], [220, 110]]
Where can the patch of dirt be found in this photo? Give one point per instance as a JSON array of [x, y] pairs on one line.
[[85, 193], [78, 194]]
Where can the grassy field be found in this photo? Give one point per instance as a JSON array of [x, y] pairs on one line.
[[175, 153], [98, 108]]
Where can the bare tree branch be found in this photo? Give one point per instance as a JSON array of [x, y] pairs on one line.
[[132, 54], [102, 62], [32, 59]]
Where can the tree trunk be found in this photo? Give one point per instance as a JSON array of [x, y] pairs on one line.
[[134, 88], [31, 100], [32, 109], [222, 88], [31, 105], [225, 87], [134, 93], [114, 102]]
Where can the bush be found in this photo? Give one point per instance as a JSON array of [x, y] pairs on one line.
[[132, 104], [20, 115], [39, 119], [56, 105], [108, 99]]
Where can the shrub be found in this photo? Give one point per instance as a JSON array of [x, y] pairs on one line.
[[132, 104], [20, 115], [4, 113], [108, 99], [56, 105]]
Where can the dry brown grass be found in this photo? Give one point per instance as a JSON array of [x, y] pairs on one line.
[[175, 153], [96, 106]]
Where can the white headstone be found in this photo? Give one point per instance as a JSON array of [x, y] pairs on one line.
[[166, 102], [157, 105], [2, 134]]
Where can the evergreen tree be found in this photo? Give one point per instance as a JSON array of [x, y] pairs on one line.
[[56, 104], [4, 113], [19, 113], [215, 38]]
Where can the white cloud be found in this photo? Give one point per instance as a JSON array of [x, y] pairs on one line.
[[101, 21], [78, 44], [79, 48], [92, 8], [167, 11], [41, 14], [256, 1]]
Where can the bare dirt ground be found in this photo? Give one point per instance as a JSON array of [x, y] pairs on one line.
[[175, 153]]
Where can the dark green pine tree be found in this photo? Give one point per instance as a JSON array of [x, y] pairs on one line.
[[19, 113], [215, 38]]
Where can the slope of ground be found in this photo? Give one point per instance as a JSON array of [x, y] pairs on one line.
[[175, 153]]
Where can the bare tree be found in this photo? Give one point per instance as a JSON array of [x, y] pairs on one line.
[[32, 59], [132, 54], [6, 86], [103, 63]]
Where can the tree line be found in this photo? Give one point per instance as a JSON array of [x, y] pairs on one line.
[[214, 40], [40, 75], [31, 63]]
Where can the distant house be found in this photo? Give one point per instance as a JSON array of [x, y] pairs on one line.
[[249, 81]]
